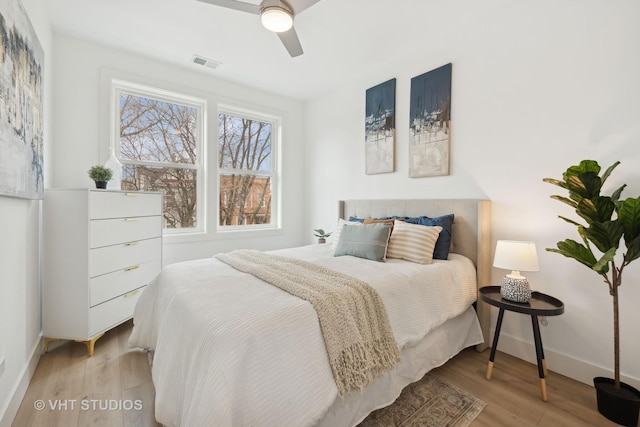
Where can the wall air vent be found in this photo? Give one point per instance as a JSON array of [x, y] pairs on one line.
[[201, 60]]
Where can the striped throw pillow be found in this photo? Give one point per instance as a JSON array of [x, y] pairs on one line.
[[413, 242]]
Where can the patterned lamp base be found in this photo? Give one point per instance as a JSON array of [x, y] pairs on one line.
[[517, 290]]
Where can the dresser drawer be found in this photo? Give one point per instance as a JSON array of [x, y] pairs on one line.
[[113, 312], [115, 204], [106, 232], [108, 286], [117, 257]]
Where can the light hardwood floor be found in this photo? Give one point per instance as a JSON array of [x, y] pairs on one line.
[[118, 373], [66, 376]]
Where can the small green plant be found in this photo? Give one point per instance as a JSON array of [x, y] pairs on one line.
[[100, 173], [320, 233]]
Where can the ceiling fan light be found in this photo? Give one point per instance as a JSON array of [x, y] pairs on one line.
[[276, 19]]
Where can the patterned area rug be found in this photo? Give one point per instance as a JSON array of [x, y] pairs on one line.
[[429, 402]]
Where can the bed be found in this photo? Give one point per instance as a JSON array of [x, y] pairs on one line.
[[232, 350]]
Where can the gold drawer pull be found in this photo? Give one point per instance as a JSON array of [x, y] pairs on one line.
[[133, 267], [132, 293], [132, 219], [132, 243], [131, 194]]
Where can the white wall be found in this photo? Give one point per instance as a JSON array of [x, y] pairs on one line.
[[537, 87], [80, 126], [20, 321]]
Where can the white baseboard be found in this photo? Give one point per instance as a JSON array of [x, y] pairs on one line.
[[9, 411], [569, 366]]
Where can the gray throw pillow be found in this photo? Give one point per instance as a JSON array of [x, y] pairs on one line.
[[366, 241]]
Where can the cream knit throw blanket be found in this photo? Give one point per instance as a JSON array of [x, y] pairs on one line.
[[354, 323]]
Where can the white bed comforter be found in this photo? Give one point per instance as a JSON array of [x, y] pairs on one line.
[[231, 350]]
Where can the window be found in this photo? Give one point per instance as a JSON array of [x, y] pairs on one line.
[[165, 140], [159, 142], [246, 167]]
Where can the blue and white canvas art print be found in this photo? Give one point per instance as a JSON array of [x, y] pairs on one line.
[[430, 123], [380, 128], [21, 108]]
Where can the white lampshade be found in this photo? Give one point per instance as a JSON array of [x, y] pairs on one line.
[[516, 255], [276, 19]]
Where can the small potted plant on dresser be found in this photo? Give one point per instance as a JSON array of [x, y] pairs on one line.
[[617, 401], [321, 235], [100, 175]]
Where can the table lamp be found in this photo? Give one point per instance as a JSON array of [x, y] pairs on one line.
[[515, 256]]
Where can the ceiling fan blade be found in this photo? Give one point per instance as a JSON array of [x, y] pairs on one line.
[[300, 5], [291, 42], [235, 4]]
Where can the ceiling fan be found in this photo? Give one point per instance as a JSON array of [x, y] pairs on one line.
[[276, 15]]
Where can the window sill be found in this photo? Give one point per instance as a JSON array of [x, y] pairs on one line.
[[180, 238]]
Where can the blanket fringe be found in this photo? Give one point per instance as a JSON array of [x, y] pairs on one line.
[[359, 364]]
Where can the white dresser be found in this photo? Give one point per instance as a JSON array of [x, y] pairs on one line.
[[101, 248]]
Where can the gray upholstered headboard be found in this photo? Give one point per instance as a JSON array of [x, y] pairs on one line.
[[471, 231]]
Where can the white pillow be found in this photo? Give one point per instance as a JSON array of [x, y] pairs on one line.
[[336, 234], [413, 242]]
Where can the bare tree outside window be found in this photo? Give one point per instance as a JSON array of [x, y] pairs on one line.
[[245, 166], [158, 150], [159, 139]]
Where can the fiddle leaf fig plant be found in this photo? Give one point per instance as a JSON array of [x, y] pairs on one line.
[[608, 221]]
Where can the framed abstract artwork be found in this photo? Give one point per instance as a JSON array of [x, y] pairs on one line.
[[380, 128], [430, 123], [21, 104]]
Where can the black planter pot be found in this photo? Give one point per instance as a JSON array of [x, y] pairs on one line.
[[101, 184], [620, 407]]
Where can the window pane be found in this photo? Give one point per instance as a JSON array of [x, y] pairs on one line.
[[157, 131], [244, 143], [178, 186], [245, 199]]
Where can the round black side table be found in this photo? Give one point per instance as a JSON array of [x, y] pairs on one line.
[[539, 305]]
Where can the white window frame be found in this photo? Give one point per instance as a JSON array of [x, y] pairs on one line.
[[209, 199], [119, 87], [276, 130]]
